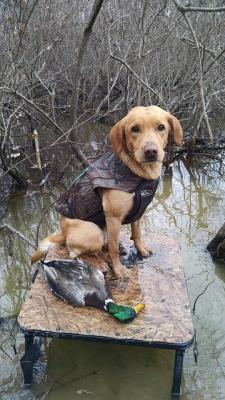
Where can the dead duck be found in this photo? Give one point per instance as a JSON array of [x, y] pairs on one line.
[[79, 284]]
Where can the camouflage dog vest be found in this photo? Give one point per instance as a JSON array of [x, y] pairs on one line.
[[83, 201]]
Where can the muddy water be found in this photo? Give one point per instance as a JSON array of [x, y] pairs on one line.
[[189, 204]]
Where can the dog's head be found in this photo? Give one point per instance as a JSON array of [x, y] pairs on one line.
[[143, 135]]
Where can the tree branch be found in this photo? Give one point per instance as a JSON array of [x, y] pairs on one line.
[[80, 155], [156, 93], [199, 9], [200, 69], [13, 230], [32, 104]]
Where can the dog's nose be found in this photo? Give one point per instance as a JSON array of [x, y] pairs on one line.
[[151, 152]]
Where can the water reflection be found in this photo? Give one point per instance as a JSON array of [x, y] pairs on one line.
[[190, 205]]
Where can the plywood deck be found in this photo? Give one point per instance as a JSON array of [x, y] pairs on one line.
[[158, 282]]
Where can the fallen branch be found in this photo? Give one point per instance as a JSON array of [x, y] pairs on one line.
[[13, 230]]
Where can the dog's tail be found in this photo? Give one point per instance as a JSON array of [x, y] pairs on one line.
[[45, 244]]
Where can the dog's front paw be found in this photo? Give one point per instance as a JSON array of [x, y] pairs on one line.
[[144, 251], [121, 272]]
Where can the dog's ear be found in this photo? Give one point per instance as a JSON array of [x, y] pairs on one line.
[[116, 136], [176, 130]]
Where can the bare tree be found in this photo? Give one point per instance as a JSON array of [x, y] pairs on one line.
[[55, 56], [76, 71]]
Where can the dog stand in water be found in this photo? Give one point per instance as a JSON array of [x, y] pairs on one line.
[[164, 323]]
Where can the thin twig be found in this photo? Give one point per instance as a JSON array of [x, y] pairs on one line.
[[41, 219], [32, 104], [60, 383], [13, 230], [156, 93], [210, 283], [1, 349], [56, 142]]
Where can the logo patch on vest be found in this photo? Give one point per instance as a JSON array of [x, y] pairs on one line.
[[146, 192]]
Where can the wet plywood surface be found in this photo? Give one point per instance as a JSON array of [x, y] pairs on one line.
[[158, 282]]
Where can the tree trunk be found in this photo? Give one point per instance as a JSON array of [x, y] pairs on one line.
[[217, 245], [6, 187], [14, 173], [76, 73]]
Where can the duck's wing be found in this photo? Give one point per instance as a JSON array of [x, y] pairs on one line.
[[77, 283], [70, 270], [65, 286]]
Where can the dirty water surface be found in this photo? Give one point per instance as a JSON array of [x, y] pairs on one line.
[[190, 205]]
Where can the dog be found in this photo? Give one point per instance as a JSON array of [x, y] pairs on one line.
[[80, 237], [138, 143]]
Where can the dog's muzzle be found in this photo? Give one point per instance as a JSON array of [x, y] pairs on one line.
[[151, 152]]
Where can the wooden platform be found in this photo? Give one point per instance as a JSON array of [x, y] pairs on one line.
[[158, 282]]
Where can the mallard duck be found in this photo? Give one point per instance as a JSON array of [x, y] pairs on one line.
[[79, 284]]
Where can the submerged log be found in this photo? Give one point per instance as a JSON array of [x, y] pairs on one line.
[[217, 245]]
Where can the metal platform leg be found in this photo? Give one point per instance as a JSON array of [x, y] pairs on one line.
[[32, 353], [177, 373]]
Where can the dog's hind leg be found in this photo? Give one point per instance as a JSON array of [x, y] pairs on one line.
[[83, 238], [74, 253]]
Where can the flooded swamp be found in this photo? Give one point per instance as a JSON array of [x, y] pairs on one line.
[[189, 205]]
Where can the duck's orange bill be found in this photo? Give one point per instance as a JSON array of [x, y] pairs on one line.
[[139, 307]]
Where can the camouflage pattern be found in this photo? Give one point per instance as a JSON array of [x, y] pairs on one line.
[[83, 201]]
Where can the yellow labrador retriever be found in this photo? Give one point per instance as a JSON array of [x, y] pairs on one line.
[[138, 144]]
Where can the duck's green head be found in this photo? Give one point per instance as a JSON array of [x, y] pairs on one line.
[[123, 313]]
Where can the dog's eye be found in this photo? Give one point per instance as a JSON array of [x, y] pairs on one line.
[[135, 129], [161, 127]]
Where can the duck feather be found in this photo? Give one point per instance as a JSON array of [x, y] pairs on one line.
[[76, 282]]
